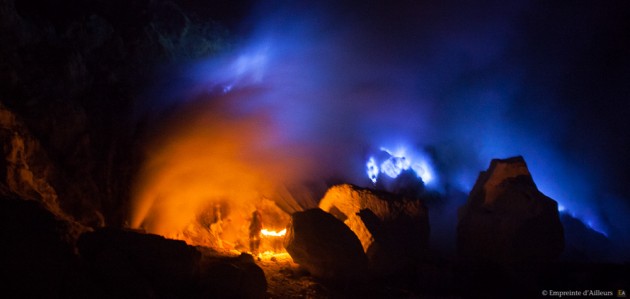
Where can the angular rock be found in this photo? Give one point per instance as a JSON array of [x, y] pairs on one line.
[[507, 220], [325, 246], [393, 230]]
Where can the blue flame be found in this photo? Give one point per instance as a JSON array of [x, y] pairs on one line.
[[372, 169], [424, 171], [590, 224], [398, 161]]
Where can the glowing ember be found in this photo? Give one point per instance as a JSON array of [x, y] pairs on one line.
[[273, 233]]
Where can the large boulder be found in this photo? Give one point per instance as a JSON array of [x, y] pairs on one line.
[[507, 220], [125, 263], [230, 277], [325, 247], [393, 229], [131, 263]]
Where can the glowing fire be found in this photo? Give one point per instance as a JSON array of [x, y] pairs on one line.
[[204, 176], [273, 233]]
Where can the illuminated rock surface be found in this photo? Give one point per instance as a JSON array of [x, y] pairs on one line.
[[25, 162], [393, 230], [325, 247], [26, 169], [507, 220]]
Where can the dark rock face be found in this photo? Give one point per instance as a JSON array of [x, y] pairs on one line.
[[37, 259], [586, 245], [393, 230], [127, 263], [325, 246], [139, 264], [507, 220]]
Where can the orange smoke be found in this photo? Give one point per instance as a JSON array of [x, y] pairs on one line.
[[210, 155]]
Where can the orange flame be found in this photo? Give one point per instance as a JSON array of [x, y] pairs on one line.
[[273, 233]]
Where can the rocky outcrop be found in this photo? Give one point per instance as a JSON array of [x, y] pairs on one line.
[[507, 220], [393, 230], [325, 247], [24, 164], [25, 170]]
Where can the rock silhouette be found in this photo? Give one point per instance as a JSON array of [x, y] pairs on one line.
[[325, 246], [393, 229], [507, 220]]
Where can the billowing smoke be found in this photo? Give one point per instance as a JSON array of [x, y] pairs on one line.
[[313, 92]]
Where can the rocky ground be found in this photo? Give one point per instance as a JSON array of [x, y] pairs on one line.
[[43, 257], [285, 279]]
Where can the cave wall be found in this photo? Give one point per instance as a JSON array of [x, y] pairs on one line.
[[74, 77]]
